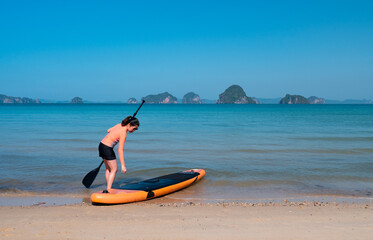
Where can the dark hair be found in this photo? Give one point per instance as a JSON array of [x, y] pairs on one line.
[[131, 120]]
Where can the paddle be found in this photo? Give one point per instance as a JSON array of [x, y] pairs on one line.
[[91, 176]]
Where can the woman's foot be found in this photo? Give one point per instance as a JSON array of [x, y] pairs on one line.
[[105, 191]]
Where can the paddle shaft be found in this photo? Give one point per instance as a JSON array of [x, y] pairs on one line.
[[143, 101]]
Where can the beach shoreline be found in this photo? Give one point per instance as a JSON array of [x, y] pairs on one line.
[[162, 219], [58, 199], [30, 198]]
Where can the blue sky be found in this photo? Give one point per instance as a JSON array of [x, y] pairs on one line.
[[114, 50]]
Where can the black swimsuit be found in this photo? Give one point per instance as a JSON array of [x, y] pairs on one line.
[[106, 152]]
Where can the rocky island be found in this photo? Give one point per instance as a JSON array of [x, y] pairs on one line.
[[316, 100], [77, 100], [18, 100], [235, 95], [191, 98], [162, 98], [294, 99], [132, 101]]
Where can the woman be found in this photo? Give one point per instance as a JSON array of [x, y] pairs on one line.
[[116, 134]]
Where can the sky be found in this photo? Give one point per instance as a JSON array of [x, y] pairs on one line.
[[114, 50]]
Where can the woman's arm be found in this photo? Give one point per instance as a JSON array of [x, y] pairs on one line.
[[122, 140]]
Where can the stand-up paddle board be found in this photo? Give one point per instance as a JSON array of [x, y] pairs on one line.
[[150, 188]]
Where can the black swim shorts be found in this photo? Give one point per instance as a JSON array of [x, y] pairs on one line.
[[106, 152]]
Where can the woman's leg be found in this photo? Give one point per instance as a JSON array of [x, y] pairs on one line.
[[111, 170], [107, 170]]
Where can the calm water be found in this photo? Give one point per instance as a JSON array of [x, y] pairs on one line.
[[247, 151]]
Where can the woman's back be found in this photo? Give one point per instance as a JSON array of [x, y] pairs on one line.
[[112, 138]]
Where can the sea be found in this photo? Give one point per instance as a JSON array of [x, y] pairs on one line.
[[248, 151]]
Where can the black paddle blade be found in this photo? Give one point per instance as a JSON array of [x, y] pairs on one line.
[[91, 176]]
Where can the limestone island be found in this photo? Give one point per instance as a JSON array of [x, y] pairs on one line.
[[17, 100], [316, 100], [235, 95], [132, 101], [191, 98], [77, 100], [162, 98], [294, 99]]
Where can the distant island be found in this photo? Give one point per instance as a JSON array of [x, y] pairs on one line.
[[18, 100], [294, 99], [349, 101], [235, 95], [191, 98], [298, 99], [316, 100], [77, 100], [162, 98], [132, 101]]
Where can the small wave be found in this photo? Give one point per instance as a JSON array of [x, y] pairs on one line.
[[147, 151], [324, 151], [254, 151], [337, 139], [147, 140], [365, 150], [10, 190], [16, 192], [15, 157], [68, 140], [251, 183], [86, 149]]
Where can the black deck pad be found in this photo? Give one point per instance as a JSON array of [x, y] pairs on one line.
[[160, 182]]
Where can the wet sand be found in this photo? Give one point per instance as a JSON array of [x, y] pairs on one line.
[[160, 219]]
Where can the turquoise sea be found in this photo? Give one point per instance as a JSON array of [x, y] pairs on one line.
[[248, 151]]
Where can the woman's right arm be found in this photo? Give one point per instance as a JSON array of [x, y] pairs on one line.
[[122, 140]]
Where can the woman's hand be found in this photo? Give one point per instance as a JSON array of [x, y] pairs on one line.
[[124, 169]]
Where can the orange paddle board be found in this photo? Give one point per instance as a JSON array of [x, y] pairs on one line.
[[150, 188]]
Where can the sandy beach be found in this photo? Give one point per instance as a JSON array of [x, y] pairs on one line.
[[157, 219]]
